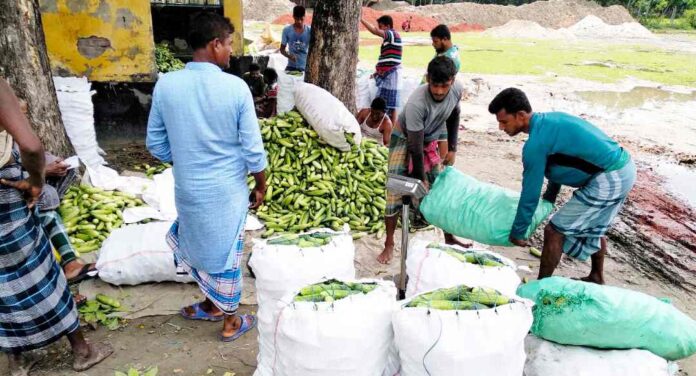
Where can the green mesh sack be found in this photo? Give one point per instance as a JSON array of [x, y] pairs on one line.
[[581, 313], [466, 207]]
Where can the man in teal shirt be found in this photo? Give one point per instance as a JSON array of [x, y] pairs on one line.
[[567, 150], [442, 43]]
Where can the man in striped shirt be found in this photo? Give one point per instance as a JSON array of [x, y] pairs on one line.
[[389, 63]]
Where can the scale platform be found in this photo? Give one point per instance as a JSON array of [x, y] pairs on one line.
[[404, 186]]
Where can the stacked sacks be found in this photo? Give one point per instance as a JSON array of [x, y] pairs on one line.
[[462, 331], [335, 327], [547, 358], [432, 265], [572, 312], [281, 265]]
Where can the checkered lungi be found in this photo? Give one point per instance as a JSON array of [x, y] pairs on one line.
[[53, 228], [398, 164], [54, 190], [586, 217], [388, 88], [36, 307], [223, 289]]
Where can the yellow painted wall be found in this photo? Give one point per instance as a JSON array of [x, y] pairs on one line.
[[124, 51], [125, 48], [234, 11]]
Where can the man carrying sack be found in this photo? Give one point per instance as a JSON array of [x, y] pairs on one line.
[[567, 150]]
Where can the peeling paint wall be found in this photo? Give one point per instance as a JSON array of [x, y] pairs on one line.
[[233, 11], [105, 40]]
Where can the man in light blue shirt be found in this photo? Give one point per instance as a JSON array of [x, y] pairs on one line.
[[294, 43], [567, 150], [203, 121]]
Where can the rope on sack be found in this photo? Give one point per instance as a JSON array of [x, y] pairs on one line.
[[495, 303], [437, 340], [315, 305], [478, 258], [456, 310], [333, 300]]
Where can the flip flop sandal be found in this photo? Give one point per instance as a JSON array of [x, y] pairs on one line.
[[246, 326], [200, 314], [85, 273]]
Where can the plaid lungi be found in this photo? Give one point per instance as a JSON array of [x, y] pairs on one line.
[[398, 164], [388, 88], [586, 217], [54, 190], [36, 307], [223, 289], [53, 227]]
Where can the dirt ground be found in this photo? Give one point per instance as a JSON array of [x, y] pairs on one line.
[[181, 347], [122, 157]]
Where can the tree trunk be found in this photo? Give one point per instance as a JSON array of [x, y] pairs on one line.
[[333, 51], [24, 63]]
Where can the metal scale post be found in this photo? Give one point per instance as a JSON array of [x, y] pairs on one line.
[[408, 189]]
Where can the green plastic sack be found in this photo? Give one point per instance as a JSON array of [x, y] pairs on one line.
[[581, 313], [466, 207]]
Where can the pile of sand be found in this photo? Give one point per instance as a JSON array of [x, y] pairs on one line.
[[588, 27], [551, 14], [528, 30], [388, 5], [266, 10], [593, 27]]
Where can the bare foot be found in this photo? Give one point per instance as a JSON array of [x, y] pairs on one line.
[[97, 353], [592, 279], [451, 240], [386, 256]]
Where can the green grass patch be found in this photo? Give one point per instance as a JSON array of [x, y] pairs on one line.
[[592, 61], [691, 34], [664, 23]]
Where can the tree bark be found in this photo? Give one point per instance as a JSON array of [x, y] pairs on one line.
[[333, 51], [24, 63]]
